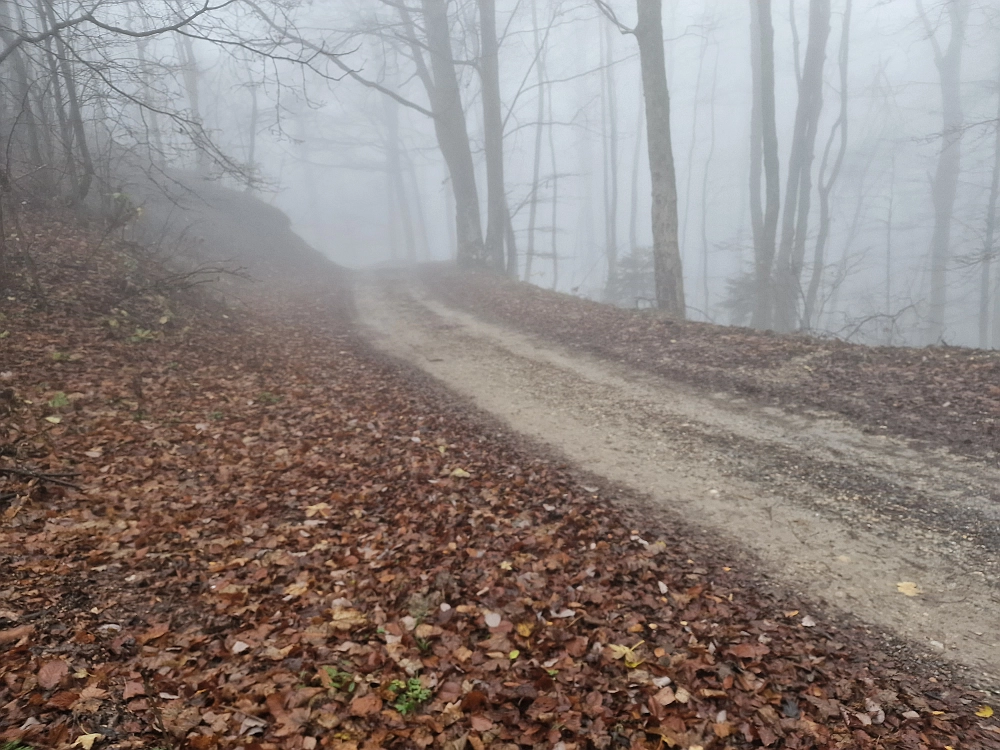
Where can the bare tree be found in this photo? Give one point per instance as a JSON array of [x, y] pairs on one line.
[[667, 267], [944, 187], [763, 152], [798, 189], [825, 184], [496, 198], [609, 142], [989, 232]]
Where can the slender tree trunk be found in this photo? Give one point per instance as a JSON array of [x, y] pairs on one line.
[[633, 219], [493, 135], [390, 110], [764, 245], [23, 110], [539, 132], [74, 117], [411, 173], [252, 147], [988, 237], [511, 240], [555, 197], [704, 191], [667, 267], [692, 148], [609, 133], [159, 154], [392, 212], [798, 190], [949, 166], [825, 186], [888, 235], [452, 134], [191, 74]]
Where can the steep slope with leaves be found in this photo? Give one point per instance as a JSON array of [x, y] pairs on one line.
[[234, 528]]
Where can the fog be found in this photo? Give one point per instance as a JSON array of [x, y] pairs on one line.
[[337, 134]]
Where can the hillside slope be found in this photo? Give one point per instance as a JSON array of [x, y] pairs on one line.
[[237, 526]]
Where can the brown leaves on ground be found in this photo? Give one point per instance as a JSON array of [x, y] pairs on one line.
[[280, 541]]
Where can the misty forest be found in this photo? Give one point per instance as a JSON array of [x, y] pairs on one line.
[[499, 373]]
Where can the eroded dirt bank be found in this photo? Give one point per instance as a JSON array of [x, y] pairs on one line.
[[839, 515]]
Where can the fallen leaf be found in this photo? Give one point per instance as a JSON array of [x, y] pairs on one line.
[[460, 473], [908, 588], [345, 618], [15, 634], [366, 705], [984, 712], [319, 509], [86, 741], [665, 696], [156, 631], [493, 619], [296, 589], [52, 673], [133, 689]]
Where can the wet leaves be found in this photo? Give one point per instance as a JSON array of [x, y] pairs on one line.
[[242, 571]]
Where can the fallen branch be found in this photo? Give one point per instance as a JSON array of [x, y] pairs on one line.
[[42, 476]]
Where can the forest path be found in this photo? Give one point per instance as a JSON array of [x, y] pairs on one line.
[[834, 514]]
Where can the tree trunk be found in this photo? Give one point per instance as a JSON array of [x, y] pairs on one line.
[[555, 197], [633, 220], [762, 52], [191, 74], [452, 134], [395, 170], [949, 166], [667, 267], [609, 139], [692, 148], [489, 69], [704, 191], [826, 186], [988, 237], [798, 190], [539, 132]]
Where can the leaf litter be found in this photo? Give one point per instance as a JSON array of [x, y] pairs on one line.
[[353, 563]]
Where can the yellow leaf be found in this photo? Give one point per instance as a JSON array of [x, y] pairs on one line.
[[908, 588], [296, 589], [524, 629], [86, 741], [618, 651], [506, 566], [442, 449], [345, 619], [460, 473], [628, 654], [319, 509], [57, 420], [514, 654], [984, 712]]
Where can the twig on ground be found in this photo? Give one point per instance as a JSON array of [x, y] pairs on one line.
[[41, 476]]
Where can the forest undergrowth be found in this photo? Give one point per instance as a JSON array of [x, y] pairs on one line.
[[233, 525]]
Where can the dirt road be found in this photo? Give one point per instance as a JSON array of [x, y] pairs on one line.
[[901, 537]]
